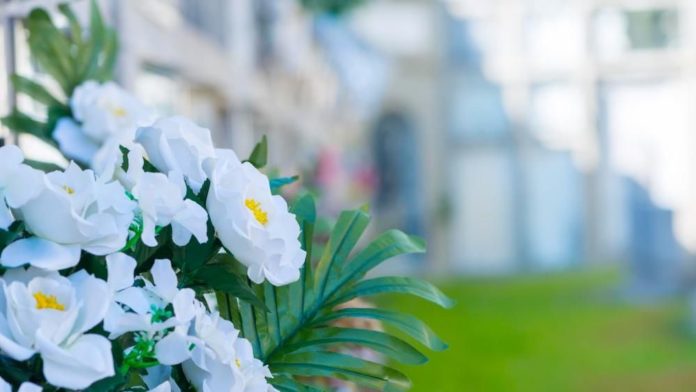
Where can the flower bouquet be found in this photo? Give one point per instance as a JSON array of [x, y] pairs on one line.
[[156, 262]]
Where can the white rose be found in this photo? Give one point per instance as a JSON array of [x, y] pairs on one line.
[[220, 361], [73, 211], [145, 309], [244, 373], [162, 201], [46, 313], [104, 112], [19, 183], [252, 223], [177, 144]]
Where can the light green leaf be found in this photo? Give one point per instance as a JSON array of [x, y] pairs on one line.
[[34, 90]]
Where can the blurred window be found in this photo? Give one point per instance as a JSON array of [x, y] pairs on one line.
[[652, 29], [476, 109], [618, 31], [208, 16]]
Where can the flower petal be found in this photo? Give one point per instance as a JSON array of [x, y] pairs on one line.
[[40, 253], [173, 349], [121, 269], [77, 366], [164, 278], [23, 185], [73, 141]]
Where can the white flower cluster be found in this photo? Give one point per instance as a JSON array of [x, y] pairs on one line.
[[57, 225]]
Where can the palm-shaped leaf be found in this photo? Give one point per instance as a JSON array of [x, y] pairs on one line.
[[69, 58], [297, 336]]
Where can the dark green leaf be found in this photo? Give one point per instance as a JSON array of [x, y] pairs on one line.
[[346, 233], [259, 155], [344, 367], [395, 284], [405, 323], [375, 340], [43, 166], [220, 276], [389, 244]]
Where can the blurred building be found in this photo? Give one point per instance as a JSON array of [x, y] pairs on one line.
[[513, 134], [242, 68], [546, 133]]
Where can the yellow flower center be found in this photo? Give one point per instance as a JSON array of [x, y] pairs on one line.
[[255, 207], [119, 112], [44, 301], [69, 190], [238, 363]]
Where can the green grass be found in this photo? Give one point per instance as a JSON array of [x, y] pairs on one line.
[[560, 332]]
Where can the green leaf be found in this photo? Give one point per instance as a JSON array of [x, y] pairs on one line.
[[220, 276], [75, 28], [21, 123], [379, 341], [14, 371], [278, 183], [109, 56], [51, 49], [96, 43], [346, 233], [259, 155], [410, 325], [301, 292], [34, 90], [344, 367], [287, 384], [111, 384], [388, 245], [395, 284], [43, 166]]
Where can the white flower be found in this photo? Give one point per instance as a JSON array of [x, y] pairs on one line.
[[253, 224], [43, 312], [177, 144], [18, 183], [162, 201], [208, 332], [150, 309], [106, 113], [244, 374], [73, 211], [25, 387], [215, 358]]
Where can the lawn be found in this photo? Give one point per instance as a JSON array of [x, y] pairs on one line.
[[559, 332]]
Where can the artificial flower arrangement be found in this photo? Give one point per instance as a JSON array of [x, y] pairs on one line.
[[156, 262]]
